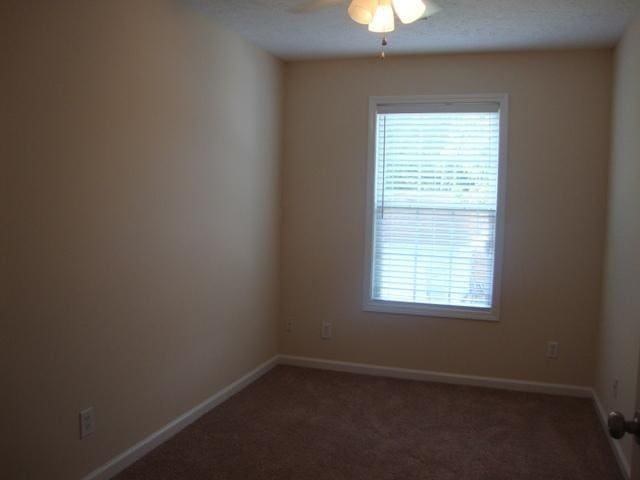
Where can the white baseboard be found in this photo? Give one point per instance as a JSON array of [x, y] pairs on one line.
[[625, 467], [126, 458], [428, 376]]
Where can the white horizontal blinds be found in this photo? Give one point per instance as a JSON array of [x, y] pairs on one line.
[[435, 205]]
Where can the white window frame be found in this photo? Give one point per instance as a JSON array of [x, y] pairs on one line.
[[370, 304]]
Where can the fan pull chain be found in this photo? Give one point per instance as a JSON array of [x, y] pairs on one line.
[[384, 44]]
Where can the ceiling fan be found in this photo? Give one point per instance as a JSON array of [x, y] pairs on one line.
[[378, 14]]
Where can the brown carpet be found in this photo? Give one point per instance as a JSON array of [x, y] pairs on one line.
[[297, 423]]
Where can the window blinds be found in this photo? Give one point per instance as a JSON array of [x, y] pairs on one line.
[[436, 191]]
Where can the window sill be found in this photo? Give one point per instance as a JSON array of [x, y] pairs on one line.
[[425, 310]]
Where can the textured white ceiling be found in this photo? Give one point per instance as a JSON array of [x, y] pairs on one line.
[[462, 26]]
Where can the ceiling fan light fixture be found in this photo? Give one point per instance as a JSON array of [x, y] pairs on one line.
[[409, 11], [383, 20], [362, 11]]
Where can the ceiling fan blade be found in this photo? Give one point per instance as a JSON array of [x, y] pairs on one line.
[[311, 6], [432, 8]]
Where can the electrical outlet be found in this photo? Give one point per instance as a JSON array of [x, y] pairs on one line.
[[87, 422], [288, 326], [552, 349], [614, 388], [326, 330]]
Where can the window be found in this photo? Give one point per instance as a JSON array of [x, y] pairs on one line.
[[435, 205]]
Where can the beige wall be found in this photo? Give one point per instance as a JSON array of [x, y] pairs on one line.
[[555, 214], [141, 160], [619, 338]]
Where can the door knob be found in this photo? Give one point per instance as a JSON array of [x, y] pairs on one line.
[[618, 425]]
